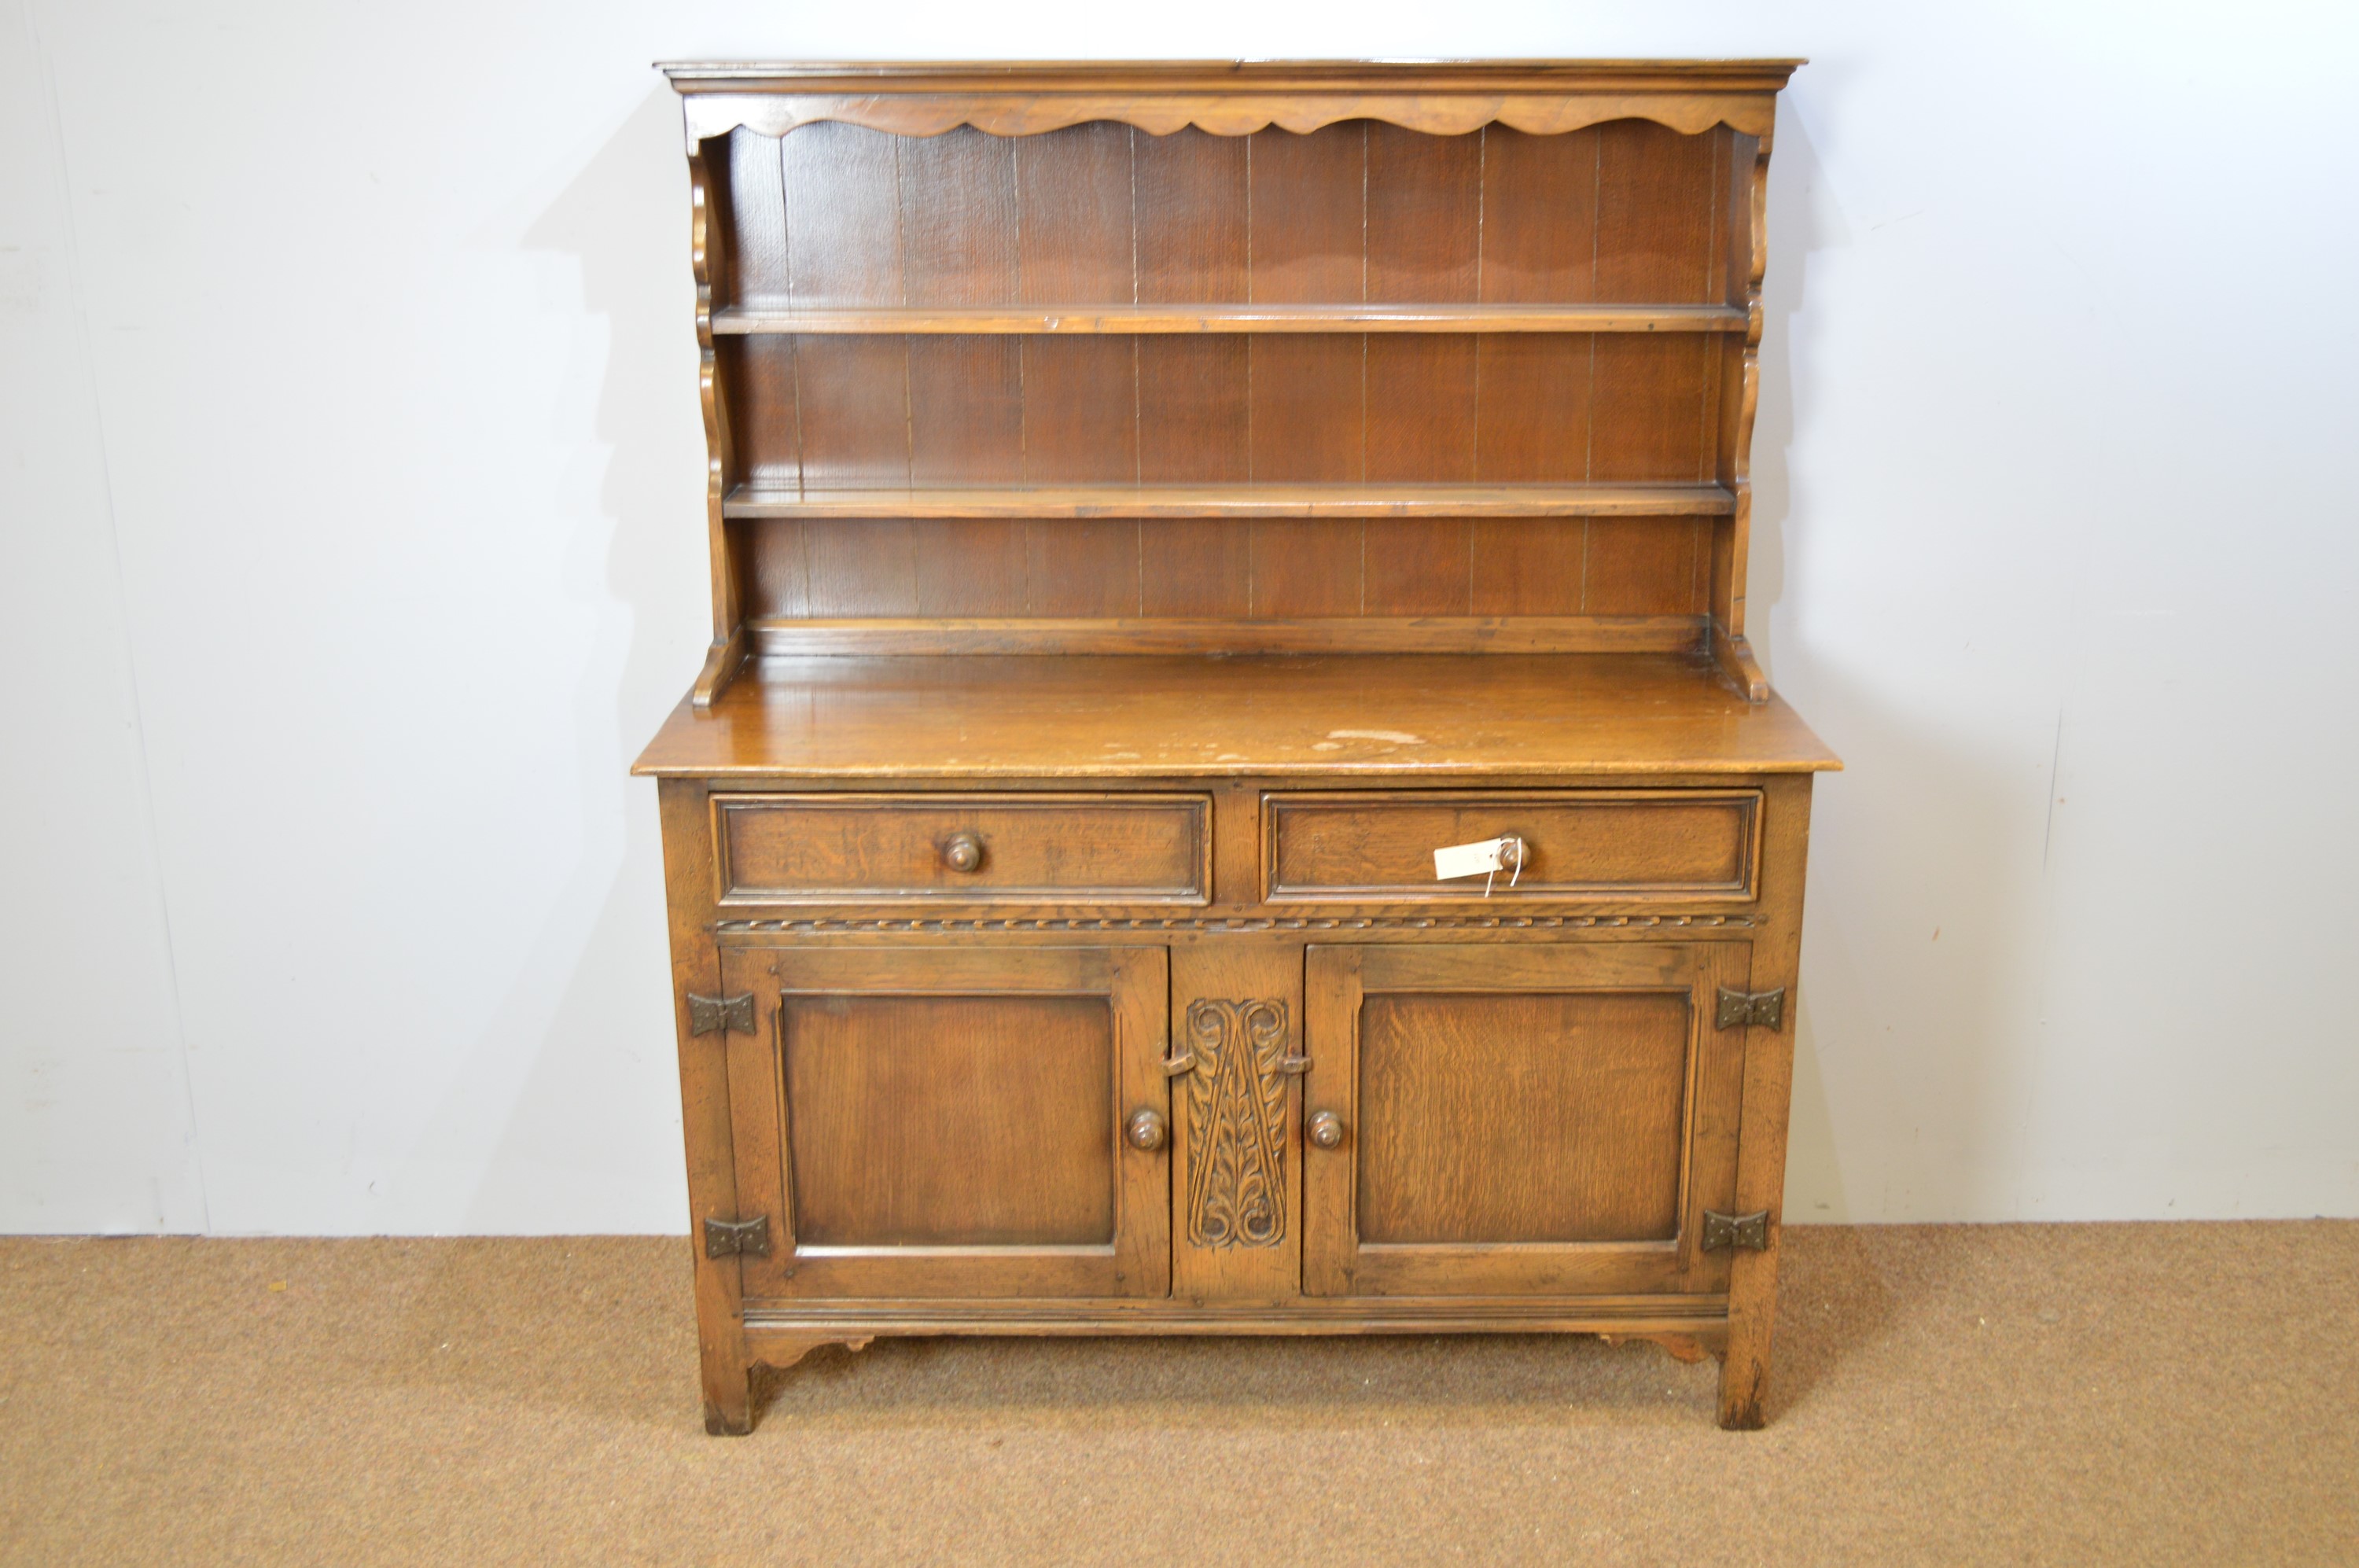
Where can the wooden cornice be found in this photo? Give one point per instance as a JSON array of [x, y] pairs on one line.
[[1228, 98]]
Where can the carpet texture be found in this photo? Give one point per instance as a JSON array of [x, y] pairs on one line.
[[2066, 1394]]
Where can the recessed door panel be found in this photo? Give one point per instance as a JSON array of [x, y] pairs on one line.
[[1547, 1118], [937, 1122], [949, 1121], [1517, 1119]]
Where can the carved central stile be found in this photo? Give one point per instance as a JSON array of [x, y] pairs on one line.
[[1236, 1122]]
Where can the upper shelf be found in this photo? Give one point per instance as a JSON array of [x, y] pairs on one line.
[[1233, 501], [1234, 318]]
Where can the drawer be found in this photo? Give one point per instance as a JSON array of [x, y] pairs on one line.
[[780, 849], [1580, 846]]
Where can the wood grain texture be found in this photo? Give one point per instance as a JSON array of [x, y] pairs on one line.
[[1539, 216], [1768, 1088], [1747, 217], [827, 497], [1521, 1118], [709, 223], [1409, 716], [704, 1109], [1214, 1168], [1656, 213], [1158, 320], [1074, 229], [852, 414], [1439, 1186], [1347, 376], [1191, 217], [755, 274], [949, 1121], [1416, 567], [774, 849], [1279, 631], [1227, 98], [929, 1084], [844, 216], [1691, 845], [798, 1322]]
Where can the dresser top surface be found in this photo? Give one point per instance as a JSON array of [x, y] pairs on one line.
[[1410, 715]]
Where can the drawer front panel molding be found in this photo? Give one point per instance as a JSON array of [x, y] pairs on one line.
[[787, 849], [1628, 846]]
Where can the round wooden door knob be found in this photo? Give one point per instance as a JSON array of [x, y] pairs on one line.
[[1326, 1130], [1146, 1130], [963, 851]]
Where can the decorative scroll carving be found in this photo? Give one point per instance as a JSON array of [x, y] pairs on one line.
[[704, 241], [1228, 99], [1729, 648], [1239, 116], [1236, 1123], [823, 926]]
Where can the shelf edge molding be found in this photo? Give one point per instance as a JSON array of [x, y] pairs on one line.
[[1243, 501], [1145, 320], [783, 638]]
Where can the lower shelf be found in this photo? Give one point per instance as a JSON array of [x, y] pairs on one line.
[[821, 1320], [1181, 634]]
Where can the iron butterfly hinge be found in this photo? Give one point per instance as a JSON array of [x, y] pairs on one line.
[[1738, 1009], [1750, 1232], [713, 1015], [736, 1239]]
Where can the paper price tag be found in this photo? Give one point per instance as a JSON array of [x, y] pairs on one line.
[[1470, 859]]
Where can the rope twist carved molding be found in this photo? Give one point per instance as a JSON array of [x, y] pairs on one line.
[[826, 925], [1236, 1122]]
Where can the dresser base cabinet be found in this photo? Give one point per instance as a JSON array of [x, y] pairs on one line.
[[1249, 1118], [1118, 599]]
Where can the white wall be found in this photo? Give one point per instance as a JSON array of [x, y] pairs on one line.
[[353, 545]]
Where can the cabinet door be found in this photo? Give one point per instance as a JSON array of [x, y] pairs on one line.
[[1518, 1119], [928, 1122]]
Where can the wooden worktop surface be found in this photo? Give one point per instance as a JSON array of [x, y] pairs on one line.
[[1135, 716]]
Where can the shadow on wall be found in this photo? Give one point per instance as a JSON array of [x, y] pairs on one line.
[[1899, 1020], [591, 1139], [1814, 1187]]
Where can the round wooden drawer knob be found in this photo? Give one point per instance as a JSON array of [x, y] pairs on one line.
[[963, 851], [1146, 1130], [1326, 1130]]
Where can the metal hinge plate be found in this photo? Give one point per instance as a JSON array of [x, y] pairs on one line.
[[733, 1238], [711, 1015], [1738, 1009], [1748, 1231]]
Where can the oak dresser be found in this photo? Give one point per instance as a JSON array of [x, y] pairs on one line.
[[1229, 794]]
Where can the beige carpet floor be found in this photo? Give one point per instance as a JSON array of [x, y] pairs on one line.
[[2142, 1394]]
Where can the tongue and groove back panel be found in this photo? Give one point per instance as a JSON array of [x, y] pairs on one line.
[[1095, 374]]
